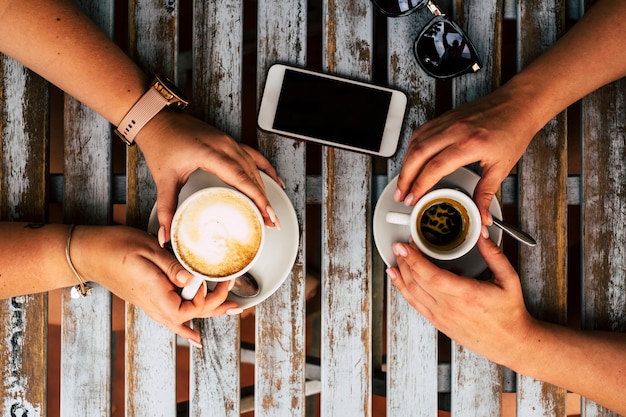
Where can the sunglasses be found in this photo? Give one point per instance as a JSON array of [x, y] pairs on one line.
[[442, 49]]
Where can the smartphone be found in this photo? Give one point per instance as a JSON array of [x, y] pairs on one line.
[[331, 110]]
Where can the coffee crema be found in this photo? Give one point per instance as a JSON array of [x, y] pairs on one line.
[[443, 224], [217, 234]]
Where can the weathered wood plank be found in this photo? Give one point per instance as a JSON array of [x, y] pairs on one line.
[[343, 192], [346, 222], [543, 189], [87, 200], [153, 43], [412, 340], [217, 75], [604, 210], [23, 167], [281, 319], [476, 382]]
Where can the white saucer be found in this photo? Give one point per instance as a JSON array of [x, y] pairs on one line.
[[471, 264], [281, 246]]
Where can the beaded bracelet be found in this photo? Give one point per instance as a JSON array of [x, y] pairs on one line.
[[82, 289]]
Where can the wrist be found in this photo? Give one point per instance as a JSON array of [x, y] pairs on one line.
[[537, 101], [527, 354], [82, 289], [79, 250]]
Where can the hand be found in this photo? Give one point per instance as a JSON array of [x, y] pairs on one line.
[[491, 130], [132, 265], [487, 317], [176, 144]]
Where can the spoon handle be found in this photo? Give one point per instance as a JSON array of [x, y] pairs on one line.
[[516, 233]]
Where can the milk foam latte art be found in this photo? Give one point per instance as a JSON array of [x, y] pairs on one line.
[[217, 233]]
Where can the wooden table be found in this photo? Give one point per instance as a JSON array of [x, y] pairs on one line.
[[372, 341]]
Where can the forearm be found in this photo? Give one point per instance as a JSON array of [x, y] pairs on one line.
[[32, 259], [590, 363], [57, 41], [587, 57]]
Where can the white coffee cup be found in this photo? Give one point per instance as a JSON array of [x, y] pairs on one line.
[[445, 223], [217, 234]]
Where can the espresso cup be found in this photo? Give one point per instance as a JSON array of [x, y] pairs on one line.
[[217, 235], [444, 224]]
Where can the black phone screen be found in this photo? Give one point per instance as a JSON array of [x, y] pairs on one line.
[[332, 110]]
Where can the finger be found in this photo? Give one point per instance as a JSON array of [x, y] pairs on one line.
[[249, 182], [264, 165], [413, 294], [431, 278], [187, 333], [167, 201], [484, 192], [443, 163], [411, 260], [503, 272], [215, 303], [418, 152], [427, 163], [169, 265], [415, 269]]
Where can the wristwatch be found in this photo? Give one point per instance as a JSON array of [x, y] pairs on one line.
[[161, 93]]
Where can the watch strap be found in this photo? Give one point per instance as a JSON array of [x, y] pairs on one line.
[[151, 103]]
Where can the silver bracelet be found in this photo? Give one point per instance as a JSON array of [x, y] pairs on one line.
[[82, 289]]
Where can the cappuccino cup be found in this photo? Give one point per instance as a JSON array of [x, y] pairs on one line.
[[445, 223], [217, 234]]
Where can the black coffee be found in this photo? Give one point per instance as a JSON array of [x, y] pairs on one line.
[[443, 224]]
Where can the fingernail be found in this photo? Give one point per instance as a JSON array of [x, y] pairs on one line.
[[489, 219], [206, 288], [273, 218], [392, 274], [399, 250], [484, 232], [231, 284], [397, 195], [161, 236], [194, 343], [234, 311], [282, 183], [408, 200], [183, 277]]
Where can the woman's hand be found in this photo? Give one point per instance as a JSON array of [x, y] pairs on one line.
[[176, 144], [132, 265], [492, 130], [488, 317]]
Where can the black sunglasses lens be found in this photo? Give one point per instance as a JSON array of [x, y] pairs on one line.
[[397, 7], [443, 50]]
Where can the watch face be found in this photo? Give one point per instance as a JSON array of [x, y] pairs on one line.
[[170, 91]]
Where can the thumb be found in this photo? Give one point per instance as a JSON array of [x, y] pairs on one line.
[[503, 272], [177, 274], [483, 195]]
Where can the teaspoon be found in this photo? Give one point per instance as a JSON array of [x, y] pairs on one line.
[[245, 286], [515, 232], [510, 230]]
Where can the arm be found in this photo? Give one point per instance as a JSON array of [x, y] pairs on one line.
[[128, 262], [489, 318], [56, 40], [496, 129]]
